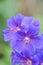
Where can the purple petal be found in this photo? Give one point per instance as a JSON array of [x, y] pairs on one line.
[[35, 59], [26, 22], [36, 23], [17, 41], [7, 35], [17, 45], [19, 18], [18, 35], [11, 22], [28, 50], [33, 31], [37, 42]]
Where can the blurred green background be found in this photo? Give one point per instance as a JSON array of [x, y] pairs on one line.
[[9, 8]]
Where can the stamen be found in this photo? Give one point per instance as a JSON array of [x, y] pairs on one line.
[[27, 39], [41, 63], [15, 29], [29, 62], [18, 28]]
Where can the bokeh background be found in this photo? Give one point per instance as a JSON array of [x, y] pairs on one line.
[[9, 8]]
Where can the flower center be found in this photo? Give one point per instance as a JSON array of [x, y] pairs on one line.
[[27, 39], [15, 29], [41, 63], [29, 62]]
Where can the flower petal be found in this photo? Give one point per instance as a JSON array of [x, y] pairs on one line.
[[33, 31], [36, 23], [7, 35], [35, 59], [28, 51], [37, 42], [17, 41], [19, 18], [26, 22], [17, 45], [11, 22]]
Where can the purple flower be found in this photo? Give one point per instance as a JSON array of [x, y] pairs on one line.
[[29, 39], [13, 25], [23, 33], [18, 59]]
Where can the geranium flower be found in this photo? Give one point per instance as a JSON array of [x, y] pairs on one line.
[[13, 25], [18, 59], [25, 40], [22, 40]]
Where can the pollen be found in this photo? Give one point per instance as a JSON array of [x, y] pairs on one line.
[[18, 28], [29, 62], [41, 63], [15, 29], [27, 39]]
